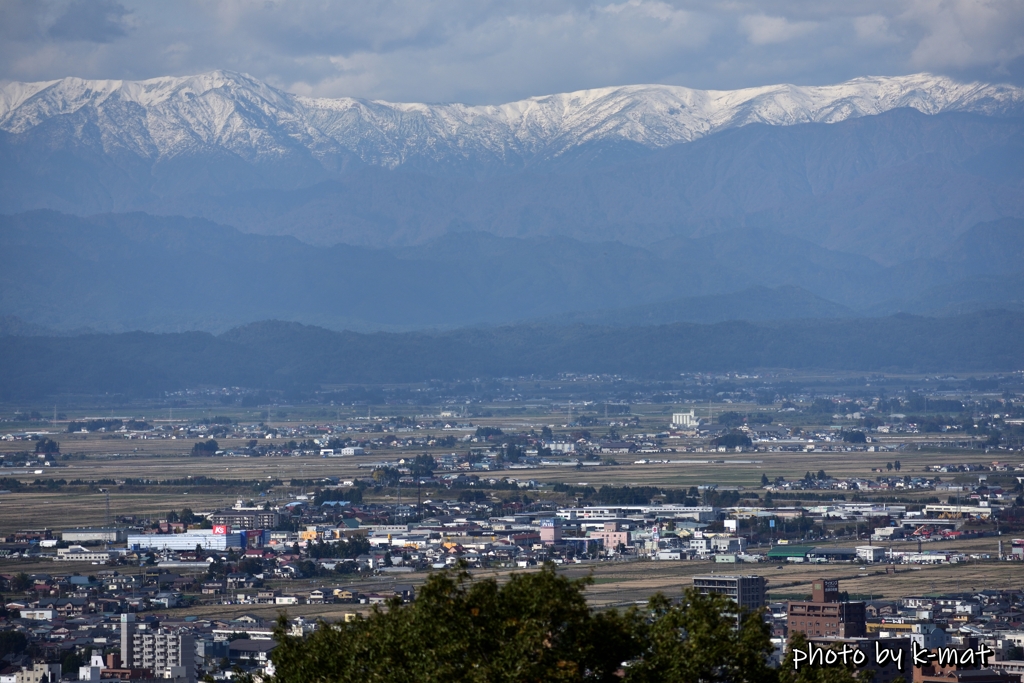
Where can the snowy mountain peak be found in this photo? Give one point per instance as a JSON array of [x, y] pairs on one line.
[[165, 117]]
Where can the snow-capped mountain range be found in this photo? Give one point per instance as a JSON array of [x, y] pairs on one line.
[[164, 118]]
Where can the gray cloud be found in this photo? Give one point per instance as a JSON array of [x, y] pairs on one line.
[[493, 51], [95, 21]]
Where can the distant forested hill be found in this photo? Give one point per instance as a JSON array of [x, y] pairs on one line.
[[289, 355], [122, 272]]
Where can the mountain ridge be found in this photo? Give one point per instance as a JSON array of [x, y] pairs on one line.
[[165, 117]]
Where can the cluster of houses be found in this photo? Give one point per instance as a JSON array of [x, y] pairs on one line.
[[960, 626], [366, 554], [93, 642], [105, 646]]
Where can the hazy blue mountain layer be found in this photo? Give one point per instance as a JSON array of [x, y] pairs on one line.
[[290, 356], [134, 271], [206, 202]]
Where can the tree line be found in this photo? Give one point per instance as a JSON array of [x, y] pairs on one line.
[[538, 627]]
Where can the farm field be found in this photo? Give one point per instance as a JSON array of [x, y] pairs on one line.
[[107, 459], [83, 506]]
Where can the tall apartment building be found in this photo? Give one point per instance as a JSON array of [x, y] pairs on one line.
[[247, 519], [746, 591], [127, 639], [168, 653], [165, 650], [826, 615]]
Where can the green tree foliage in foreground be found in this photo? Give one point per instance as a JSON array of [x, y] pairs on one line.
[[537, 627]]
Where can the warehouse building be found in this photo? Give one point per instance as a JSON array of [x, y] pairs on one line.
[[207, 539]]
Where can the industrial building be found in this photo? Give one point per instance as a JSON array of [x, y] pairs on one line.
[[206, 539], [94, 535], [685, 420], [696, 513]]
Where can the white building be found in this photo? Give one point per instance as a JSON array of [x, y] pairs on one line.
[[38, 614], [870, 553], [685, 419], [729, 544], [701, 546], [207, 539], [39, 673], [77, 553], [613, 512], [92, 535], [92, 672]]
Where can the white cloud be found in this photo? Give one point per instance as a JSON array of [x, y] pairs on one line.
[[765, 30], [493, 51], [966, 33], [874, 28]]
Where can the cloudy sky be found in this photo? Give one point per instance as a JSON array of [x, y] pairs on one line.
[[478, 51]]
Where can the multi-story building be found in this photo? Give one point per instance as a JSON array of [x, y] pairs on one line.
[[550, 531], [746, 591], [127, 639], [729, 544], [247, 519], [167, 652], [611, 536], [826, 615]]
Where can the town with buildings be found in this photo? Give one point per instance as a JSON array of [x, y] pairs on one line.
[[127, 616], [794, 507]]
